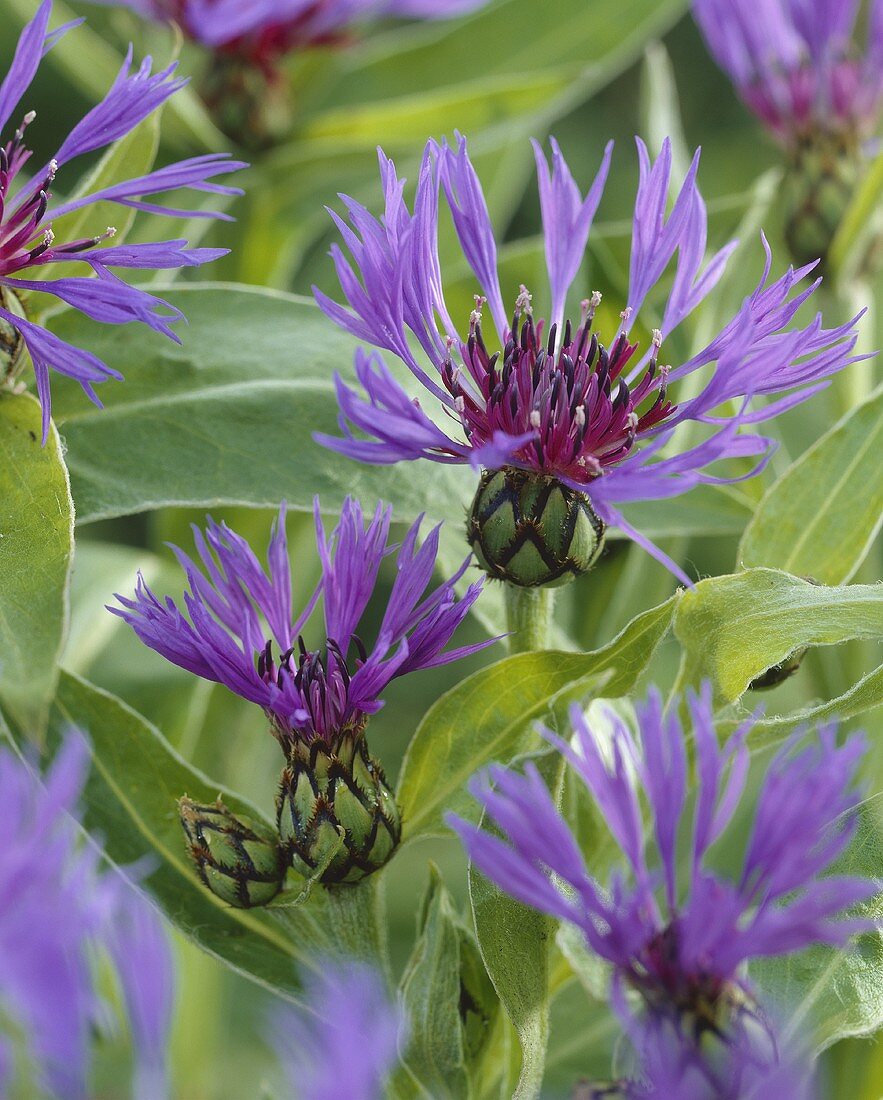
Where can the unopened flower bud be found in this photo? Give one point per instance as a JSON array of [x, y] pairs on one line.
[[820, 183], [239, 860], [336, 813], [532, 530], [249, 103]]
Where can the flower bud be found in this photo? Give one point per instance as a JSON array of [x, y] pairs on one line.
[[12, 342], [820, 183], [336, 813], [532, 530], [248, 102], [239, 860]]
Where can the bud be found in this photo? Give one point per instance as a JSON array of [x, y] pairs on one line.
[[532, 530], [820, 183], [12, 342], [335, 811], [248, 102], [239, 860]]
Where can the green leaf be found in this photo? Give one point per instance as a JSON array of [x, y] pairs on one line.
[[36, 546], [821, 517], [661, 109], [432, 990], [827, 993], [228, 417], [863, 696], [491, 714], [515, 943], [130, 801], [735, 627], [859, 226]]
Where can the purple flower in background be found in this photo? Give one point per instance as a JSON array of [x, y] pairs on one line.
[[797, 64], [676, 933], [262, 31], [29, 216], [546, 396], [59, 905], [346, 1044], [242, 633], [671, 1068]]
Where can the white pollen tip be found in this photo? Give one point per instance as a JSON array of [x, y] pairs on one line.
[[626, 313], [596, 298], [535, 419], [29, 118], [48, 237], [579, 415], [657, 337], [633, 420], [111, 231]]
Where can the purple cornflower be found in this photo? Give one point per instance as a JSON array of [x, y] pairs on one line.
[[262, 31], [242, 633], [28, 213], [346, 1044], [58, 907], [554, 400], [797, 64], [677, 934]]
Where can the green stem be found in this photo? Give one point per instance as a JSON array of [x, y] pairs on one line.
[[356, 921], [528, 617]]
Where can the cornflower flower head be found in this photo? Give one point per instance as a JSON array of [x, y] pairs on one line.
[[676, 933], [801, 68], [243, 84], [262, 31], [798, 64], [59, 907], [565, 426], [242, 633], [346, 1044], [29, 214]]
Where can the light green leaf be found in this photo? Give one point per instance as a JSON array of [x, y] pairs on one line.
[[491, 714], [821, 517], [863, 696], [735, 627], [130, 801], [860, 224], [827, 993], [520, 974], [36, 545], [435, 1062], [228, 417], [661, 109]]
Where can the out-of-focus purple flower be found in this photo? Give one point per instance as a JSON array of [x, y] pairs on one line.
[[262, 31], [670, 1067], [28, 213], [346, 1043], [59, 905], [797, 63], [675, 932], [241, 631], [554, 400]]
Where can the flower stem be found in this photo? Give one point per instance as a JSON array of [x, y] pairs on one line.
[[355, 921], [528, 617]]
